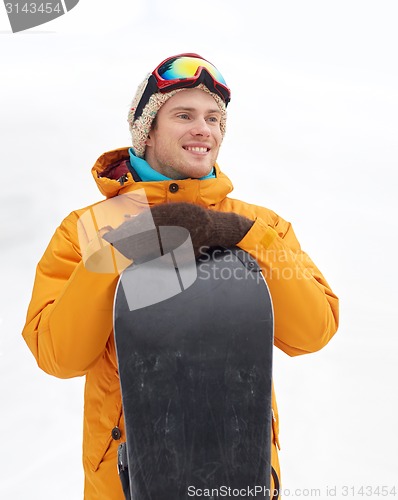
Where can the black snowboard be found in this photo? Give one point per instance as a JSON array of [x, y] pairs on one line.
[[195, 372]]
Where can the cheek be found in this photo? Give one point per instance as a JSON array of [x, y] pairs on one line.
[[218, 134], [171, 135], [218, 137]]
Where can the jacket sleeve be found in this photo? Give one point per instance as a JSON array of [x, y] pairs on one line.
[[305, 308], [69, 318]]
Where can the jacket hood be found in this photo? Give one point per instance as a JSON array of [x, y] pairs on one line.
[[113, 177]]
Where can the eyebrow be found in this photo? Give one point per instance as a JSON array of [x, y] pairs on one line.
[[187, 108]]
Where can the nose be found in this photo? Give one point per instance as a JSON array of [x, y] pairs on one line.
[[200, 127]]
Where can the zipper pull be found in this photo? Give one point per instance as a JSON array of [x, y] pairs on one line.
[[124, 178]]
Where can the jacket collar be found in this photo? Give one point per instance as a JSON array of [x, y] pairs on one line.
[[113, 177]]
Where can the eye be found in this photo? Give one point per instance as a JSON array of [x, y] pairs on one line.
[[183, 116], [213, 119]]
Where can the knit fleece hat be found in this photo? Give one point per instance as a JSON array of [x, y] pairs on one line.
[[141, 127]]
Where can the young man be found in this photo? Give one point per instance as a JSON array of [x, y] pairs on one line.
[[177, 120]]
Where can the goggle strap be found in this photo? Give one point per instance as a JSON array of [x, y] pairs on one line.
[[150, 89]]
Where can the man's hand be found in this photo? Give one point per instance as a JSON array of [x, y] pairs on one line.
[[207, 228]]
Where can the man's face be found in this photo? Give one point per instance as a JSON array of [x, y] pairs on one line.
[[187, 137]]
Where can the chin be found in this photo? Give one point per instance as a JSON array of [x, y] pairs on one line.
[[197, 173]]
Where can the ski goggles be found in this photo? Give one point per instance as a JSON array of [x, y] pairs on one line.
[[180, 72]]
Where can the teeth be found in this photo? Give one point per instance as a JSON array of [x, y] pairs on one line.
[[196, 149]]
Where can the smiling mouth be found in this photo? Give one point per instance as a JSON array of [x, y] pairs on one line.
[[197, 149]]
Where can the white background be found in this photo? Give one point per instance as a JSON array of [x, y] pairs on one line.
[[312, 134]]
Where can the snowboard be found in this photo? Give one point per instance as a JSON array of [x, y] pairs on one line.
[[195, 370]]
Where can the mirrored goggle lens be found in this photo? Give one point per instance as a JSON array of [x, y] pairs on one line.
[[187, 67]]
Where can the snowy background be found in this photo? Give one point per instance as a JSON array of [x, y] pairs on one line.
[[312, 134]]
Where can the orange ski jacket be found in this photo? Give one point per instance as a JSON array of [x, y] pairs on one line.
[[70, 319]]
